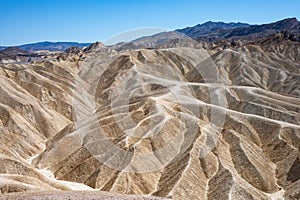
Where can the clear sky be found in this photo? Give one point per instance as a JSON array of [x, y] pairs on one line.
[[27, 21]]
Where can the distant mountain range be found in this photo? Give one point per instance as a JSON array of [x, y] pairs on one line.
[[210, 27], [50, 46], [213, 31], [215, 34], [206, 32]]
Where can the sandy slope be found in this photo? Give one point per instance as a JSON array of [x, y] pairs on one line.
[[178, 122]]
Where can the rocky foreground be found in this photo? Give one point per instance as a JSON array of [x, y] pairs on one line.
[[75, 195], [177, 121]]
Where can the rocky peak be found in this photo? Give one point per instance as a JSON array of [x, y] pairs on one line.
[[95, 46]]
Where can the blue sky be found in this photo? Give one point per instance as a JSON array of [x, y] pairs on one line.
[[27, 21]]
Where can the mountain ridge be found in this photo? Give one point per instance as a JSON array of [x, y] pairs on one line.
[[50, 46], [209, 31], [214, 34], [245, 31], [207, 27]]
